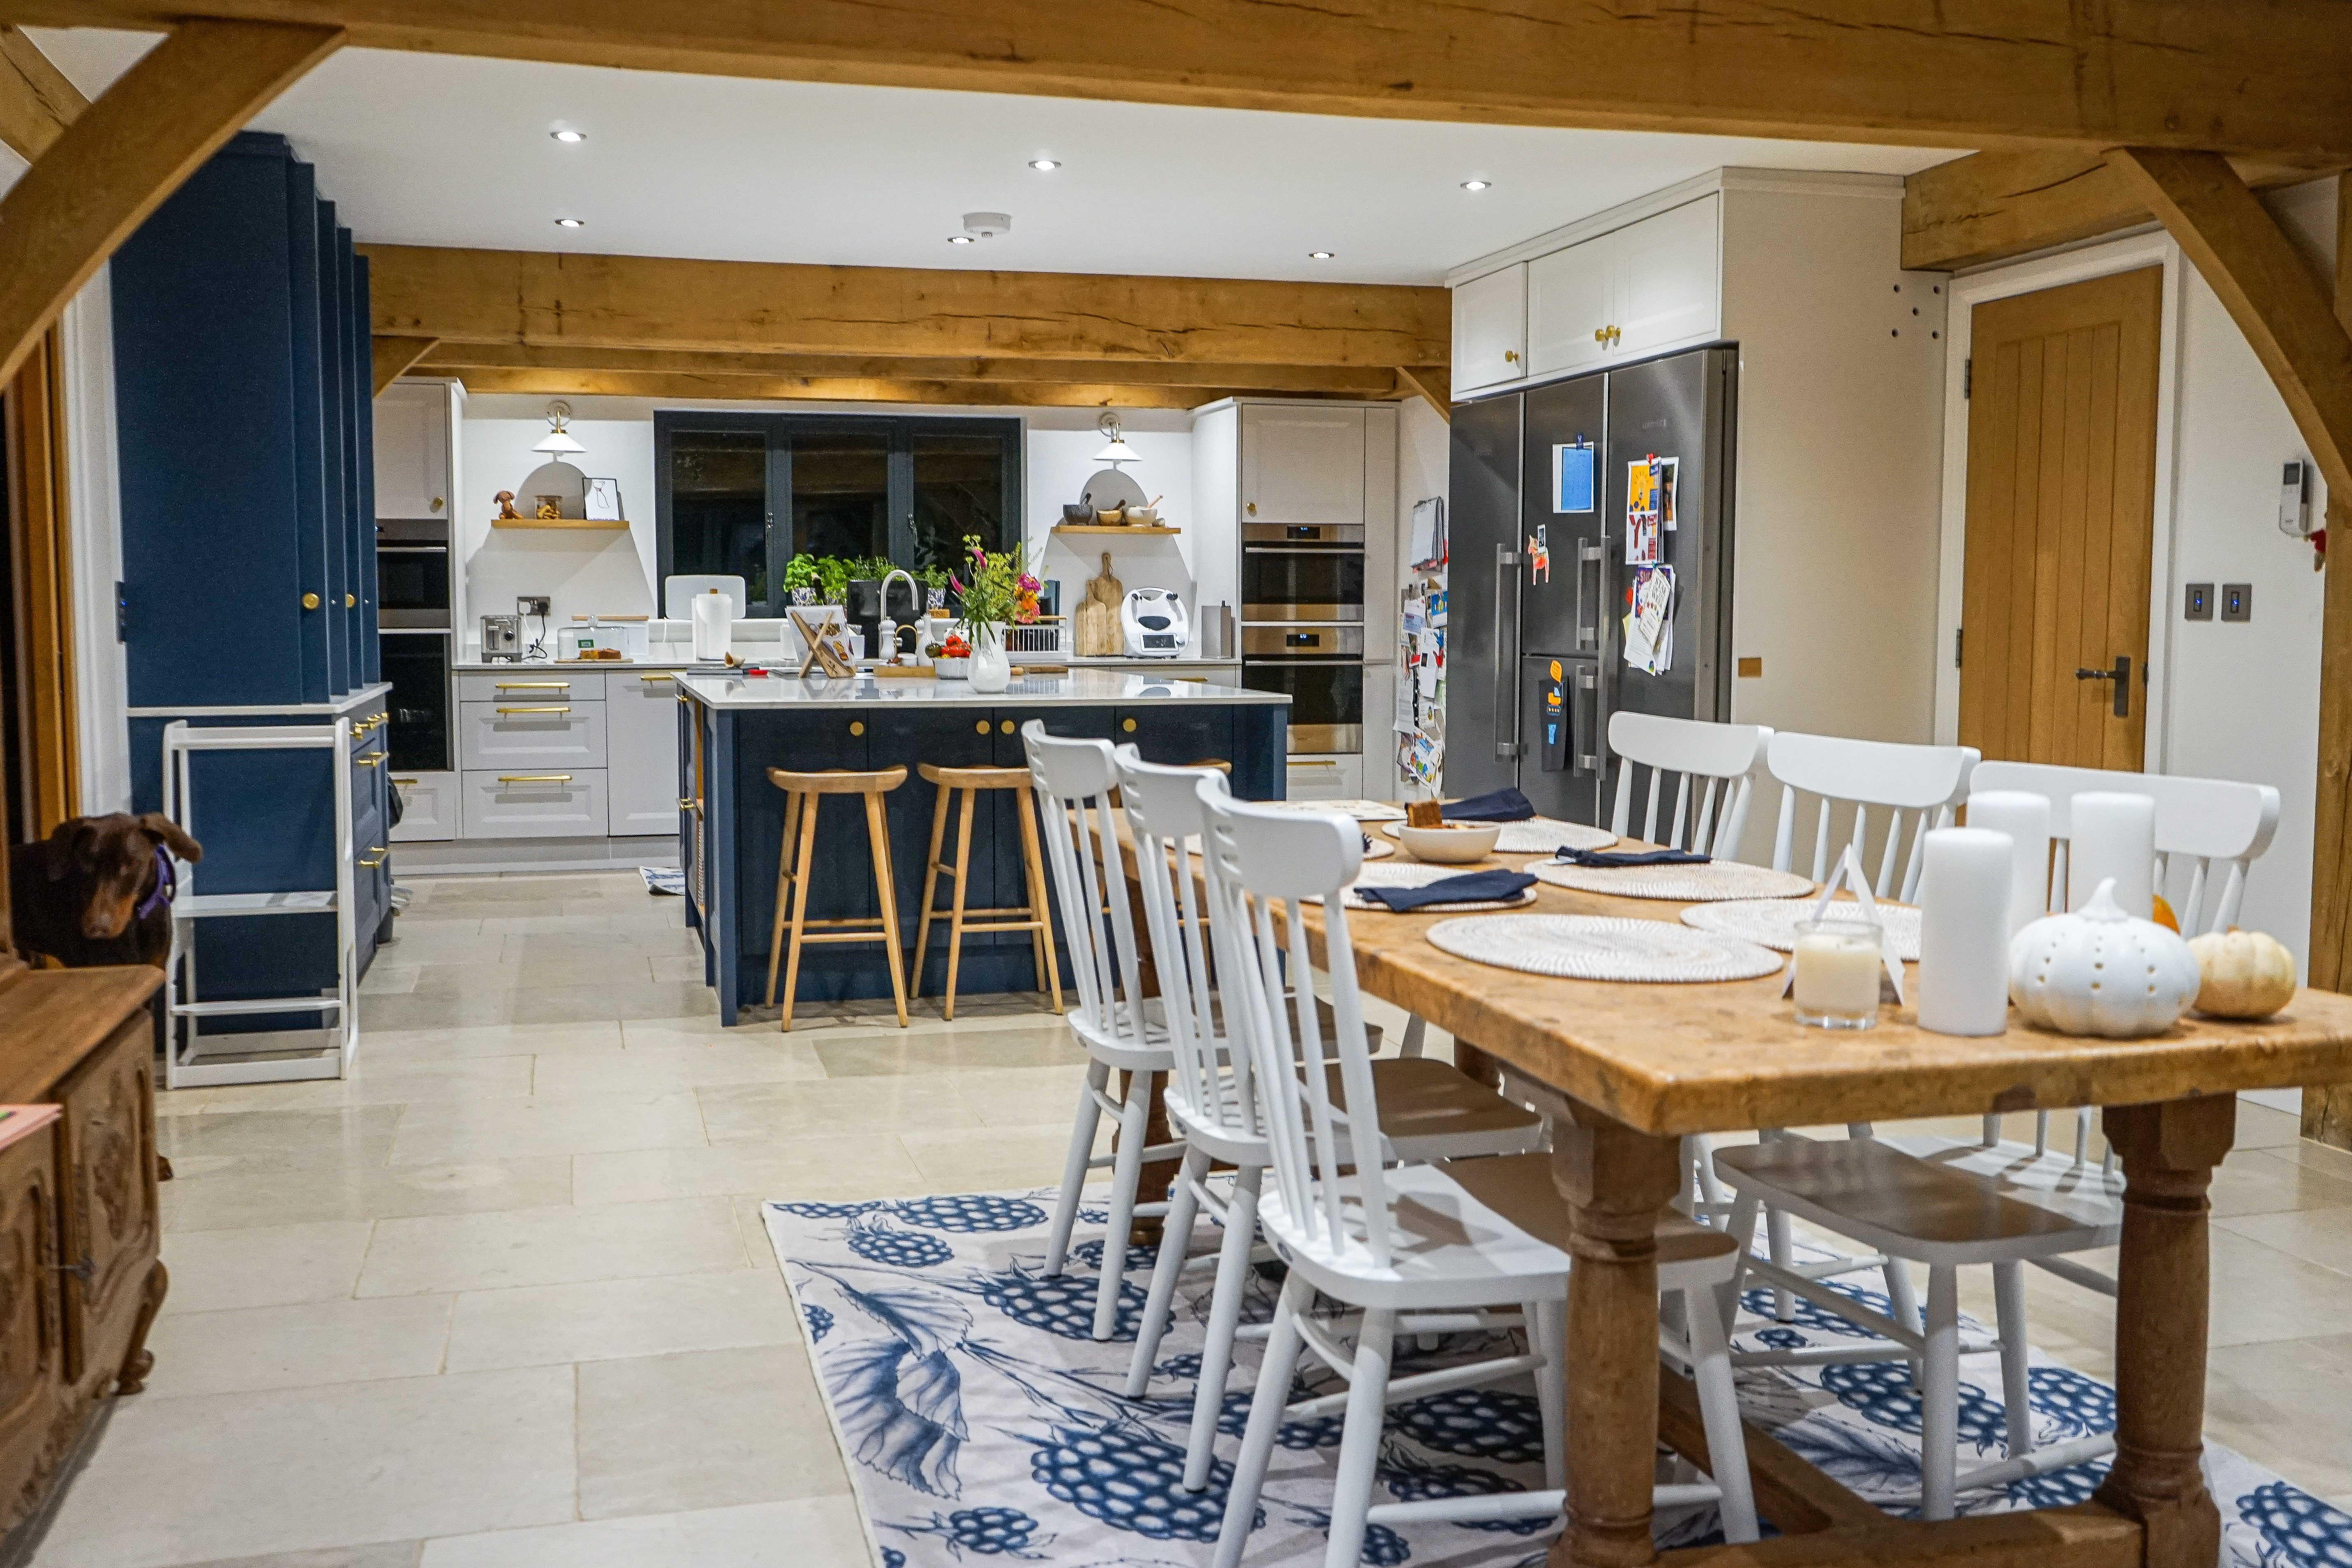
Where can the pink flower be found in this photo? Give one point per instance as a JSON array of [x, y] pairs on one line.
[[953, 584]]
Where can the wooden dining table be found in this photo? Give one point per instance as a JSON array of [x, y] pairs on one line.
[[1624, 1070]]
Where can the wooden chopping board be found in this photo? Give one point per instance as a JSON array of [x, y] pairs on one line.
[[1097, 632]]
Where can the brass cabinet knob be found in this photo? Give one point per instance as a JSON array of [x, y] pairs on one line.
[[1005, 728], [857, 726], [1599, 334], [1252, 509], [310, 601], [686, 803], [980, 728], [349, 601], [437, 503], [1510, 356], [1128, 725]]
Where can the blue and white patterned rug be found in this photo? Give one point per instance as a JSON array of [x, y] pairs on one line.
[[983, 1423]]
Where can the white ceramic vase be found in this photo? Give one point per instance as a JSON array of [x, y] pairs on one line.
[[991, 666]]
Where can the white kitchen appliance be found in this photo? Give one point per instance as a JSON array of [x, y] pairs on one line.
[[1153, 623]]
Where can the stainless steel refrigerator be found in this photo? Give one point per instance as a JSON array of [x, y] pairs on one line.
[[1541, 583]]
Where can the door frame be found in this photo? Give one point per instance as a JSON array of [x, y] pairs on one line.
[[2153, 248]]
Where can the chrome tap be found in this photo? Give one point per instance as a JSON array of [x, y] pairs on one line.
[[889, 629]]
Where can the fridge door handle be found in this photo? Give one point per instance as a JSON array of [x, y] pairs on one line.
[[1587, 633], [1589, 680], [1507, 658]]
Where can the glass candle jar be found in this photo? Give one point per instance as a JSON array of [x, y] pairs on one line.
[[1837, 974]]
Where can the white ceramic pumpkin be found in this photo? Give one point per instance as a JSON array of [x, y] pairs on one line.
[[2246, 973], [2098, 971]]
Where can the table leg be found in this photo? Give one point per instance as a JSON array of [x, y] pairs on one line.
[[2168, 1152], [1615, 1180], [1475, 1064]]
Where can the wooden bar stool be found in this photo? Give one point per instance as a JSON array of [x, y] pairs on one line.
[[1033, 917], [802, 795]]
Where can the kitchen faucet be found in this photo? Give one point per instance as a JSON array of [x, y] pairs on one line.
[[888, 650]]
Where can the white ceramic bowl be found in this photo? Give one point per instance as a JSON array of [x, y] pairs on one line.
[[1450, 845]]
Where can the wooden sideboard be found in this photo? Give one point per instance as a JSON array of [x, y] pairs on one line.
[[80, 1277]]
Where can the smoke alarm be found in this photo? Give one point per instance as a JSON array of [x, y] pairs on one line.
[[987, 226]]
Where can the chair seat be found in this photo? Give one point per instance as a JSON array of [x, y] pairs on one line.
[[1451, 1250], [2051, 1179], [838, 781], [1521, 1188], [1431, 1109], [1907, 1207]]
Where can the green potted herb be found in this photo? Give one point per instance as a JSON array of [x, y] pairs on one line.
[[801, 576], [935, 588], [833, 580]]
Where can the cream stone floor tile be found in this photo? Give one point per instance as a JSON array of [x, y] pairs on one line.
[[382, 1554], [654, 1068], [810, 1169], [437, 1253], [298, 1346], [2318, 1157], [827, 1105], [1022, 1097], [303, 1468], [377, 1078], [249, 1142], [557, 923], [540, 1004], [989, 1158], [529, 974], [2323, 1237], [2287, 1406], [443, 1042], [388, 979], [263, 1266], [704, 1029], [703, 1429], [886, 1056], [542, 1325], [2260, 1127], [684, 967], [453, 1130], [2270, 1181], [233, 1202], [804, 1533]]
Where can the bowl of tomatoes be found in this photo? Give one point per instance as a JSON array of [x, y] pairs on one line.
[[951, 659]]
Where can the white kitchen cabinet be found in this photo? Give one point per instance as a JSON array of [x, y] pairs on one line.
[[1302, 464], [1667, 271], [1571, 303], [1490, 329], [1325, 778], [641, 753], [412, 450], [428, 808], [522, 683], [531, 736], [556, 806]]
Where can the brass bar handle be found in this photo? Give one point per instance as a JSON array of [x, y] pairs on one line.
[[534, 686], [371, 863], [657, 677], [534, 710], [401, 781], [688, 803], [1323, 762], [534, 778], [368, 761]]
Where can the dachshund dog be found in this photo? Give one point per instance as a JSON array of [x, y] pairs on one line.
[[98, 890]]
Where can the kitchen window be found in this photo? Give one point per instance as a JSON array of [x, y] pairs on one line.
[[740, 494]]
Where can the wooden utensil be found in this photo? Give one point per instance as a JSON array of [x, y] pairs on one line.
[[1098, 619]]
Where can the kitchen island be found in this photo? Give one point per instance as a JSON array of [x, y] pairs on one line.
[[734, 727]]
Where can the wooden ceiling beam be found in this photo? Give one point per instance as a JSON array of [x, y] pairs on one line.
[[1432, 383], [2167, 73], [392, 358], [686, 387], [1370, 381], [123, 155], [1995, 205], [36, 102], [560, 301]]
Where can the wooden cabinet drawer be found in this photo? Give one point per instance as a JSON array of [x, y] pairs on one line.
[[1324, 778], [107, 1159], [533, 736], [32, 1351], [428, 808], [534, 803], [532, 683]]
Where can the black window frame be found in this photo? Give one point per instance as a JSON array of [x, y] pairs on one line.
[[778, 430]]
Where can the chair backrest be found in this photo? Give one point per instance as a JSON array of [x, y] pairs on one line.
[[1074, 780], [2205, 821], [1723, 755], [1260, 858], [1927, 781], [1163, 812]]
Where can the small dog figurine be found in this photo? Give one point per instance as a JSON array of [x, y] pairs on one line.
[[506, 505], [98, 890]]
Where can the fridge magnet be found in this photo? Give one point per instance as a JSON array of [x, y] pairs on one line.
[[1642, 512], [1538, 555], [1571, 476], [604, 504], [1666, 469], [1649, 623]]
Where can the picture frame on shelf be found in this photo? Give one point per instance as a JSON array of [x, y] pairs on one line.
[[603, 500]]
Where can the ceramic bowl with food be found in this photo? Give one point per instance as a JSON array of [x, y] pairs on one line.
[[1449, 845], [1142, 516], [1114, 518]]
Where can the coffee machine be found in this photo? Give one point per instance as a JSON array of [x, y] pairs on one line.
[[501, 639]]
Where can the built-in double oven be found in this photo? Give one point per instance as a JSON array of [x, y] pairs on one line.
[[415, 622], [1303, 627]]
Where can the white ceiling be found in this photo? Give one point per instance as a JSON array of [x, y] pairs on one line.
[[445, 150]]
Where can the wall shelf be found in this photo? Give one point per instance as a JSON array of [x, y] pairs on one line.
[[556, 523], [1114, 528]]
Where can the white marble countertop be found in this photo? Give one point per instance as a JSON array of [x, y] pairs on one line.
[[1086, 687]]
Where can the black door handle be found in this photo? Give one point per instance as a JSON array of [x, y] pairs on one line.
[[2121, 676]]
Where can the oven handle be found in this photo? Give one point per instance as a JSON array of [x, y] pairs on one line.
[[412, 549], [1507, 663], [1302, 549]]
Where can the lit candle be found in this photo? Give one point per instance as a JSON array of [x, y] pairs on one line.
[[1837, 974], [2112, 835], [1964, 911], [2026, 819]]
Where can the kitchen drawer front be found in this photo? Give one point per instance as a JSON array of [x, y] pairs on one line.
[[1324, 778], [532, 683], [534, 803], [531, 737], [428, 808], [641, 753]]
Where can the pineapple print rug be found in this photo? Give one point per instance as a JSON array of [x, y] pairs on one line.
[[984, 1425]]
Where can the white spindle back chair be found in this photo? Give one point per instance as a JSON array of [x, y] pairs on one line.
[[1723, 756], [1926, 781]]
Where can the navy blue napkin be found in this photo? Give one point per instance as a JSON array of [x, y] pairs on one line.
[[1497, 805], [1566, 856], [1470, 888]]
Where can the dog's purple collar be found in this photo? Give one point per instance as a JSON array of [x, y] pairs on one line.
[[166, 881]]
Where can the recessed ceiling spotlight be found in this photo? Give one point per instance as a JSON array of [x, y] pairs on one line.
[[1044, 165], [1320, 255], [568, 136], [958, 240], [572, 223], [1475, 185]]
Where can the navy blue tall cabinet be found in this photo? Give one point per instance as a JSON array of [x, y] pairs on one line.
[[243, 403]]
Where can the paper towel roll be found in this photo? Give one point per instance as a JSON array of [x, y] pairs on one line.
[[1964, 907], [2112, 835], [2026, 819], [712, 624]]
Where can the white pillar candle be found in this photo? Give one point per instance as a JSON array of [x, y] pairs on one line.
[[2112, 835], [2026, 819], [1964, 910], [1837, 974]]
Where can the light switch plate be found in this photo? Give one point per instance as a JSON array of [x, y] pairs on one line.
[[2200, 607], [2237, 601]]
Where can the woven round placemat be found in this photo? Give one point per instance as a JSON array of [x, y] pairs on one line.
[[1597, 947], [1416, 873], [1772, 922], [1537, 835], [1362, 810], [1710, 883]]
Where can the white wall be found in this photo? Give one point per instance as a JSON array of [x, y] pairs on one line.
[[1061, 461], [94, 514]]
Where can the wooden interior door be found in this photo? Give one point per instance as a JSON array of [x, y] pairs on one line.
[[2061, 514]]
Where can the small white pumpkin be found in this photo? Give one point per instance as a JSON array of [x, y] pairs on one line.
[[2098, 971], [2246, 973]]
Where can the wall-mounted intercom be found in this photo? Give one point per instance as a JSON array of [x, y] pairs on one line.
[[2294, 501]]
